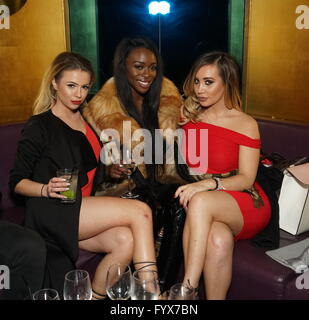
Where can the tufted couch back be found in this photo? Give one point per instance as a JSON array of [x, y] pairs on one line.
[[289, 140]]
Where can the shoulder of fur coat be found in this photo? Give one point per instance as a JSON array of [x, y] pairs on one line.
[[105, 110]]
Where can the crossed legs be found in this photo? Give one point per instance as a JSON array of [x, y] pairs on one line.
[[121, 228], [213, 218]]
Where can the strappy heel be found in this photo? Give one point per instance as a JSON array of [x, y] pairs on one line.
[[196, 291], [147, 268], [98, 296], [147, 264]]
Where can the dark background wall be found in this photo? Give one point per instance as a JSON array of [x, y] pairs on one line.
[[192, 27]]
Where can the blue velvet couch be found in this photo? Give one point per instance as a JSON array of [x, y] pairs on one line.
[[255, 275]]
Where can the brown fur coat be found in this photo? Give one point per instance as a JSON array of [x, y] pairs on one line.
[[105, 111]]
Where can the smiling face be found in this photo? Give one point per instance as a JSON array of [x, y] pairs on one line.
[[209, 87], [141, 66], [72, 88]]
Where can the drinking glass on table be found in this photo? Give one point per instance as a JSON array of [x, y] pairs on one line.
[[118, 282], [181, 291], [46, 294], [145, 285], [77, 285], [127, 163]]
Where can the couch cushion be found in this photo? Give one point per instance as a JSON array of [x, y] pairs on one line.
[[13, 214], [89, 261], [293, 293], [9, 136], [257, 276], [287, 139]]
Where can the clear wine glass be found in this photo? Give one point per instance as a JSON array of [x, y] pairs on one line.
[[145, 285], [127, 163], [180, 291], [118, 282], [46, 294], [77, 285]]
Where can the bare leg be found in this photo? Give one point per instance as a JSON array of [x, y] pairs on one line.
[[185, 243], [117, 243], [99, 214], [205, 208], [218, 263]]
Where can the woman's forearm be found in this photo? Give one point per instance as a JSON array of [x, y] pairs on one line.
[[238, 182], [30, 188]]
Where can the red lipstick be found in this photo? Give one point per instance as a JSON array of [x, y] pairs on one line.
[[202, 99], [76, 102]]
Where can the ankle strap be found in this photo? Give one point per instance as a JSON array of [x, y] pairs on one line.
[[147, 264], [102, 296], [196, 290]]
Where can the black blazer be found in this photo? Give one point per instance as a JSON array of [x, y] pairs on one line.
[[47, 144]]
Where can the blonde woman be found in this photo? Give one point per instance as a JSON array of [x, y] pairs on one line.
[[225, 203], [57, 136]]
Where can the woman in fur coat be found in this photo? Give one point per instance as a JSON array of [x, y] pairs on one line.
[[139, 95]]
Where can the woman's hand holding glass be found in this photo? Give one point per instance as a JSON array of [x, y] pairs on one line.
[[129, 165], [123, 166], [54, 186], [117, 171]]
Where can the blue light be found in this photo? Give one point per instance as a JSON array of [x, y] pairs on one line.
[[162, 7]]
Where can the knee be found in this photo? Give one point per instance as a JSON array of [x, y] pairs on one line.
[[143, 210], [220, 244], [124, 240], [198, 205]]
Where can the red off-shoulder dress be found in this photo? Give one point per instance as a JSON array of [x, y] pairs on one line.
[[223, 154]]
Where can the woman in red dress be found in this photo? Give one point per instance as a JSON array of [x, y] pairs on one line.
[[225, 203]]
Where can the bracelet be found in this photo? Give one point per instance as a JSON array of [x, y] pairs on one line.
[[42, 190], [217, 185]]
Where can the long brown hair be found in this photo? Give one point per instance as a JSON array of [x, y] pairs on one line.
[[64, 61], [228, 71], [151, 99]]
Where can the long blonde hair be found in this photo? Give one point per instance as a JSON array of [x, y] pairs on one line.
[[228, 71], [64, 61]]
